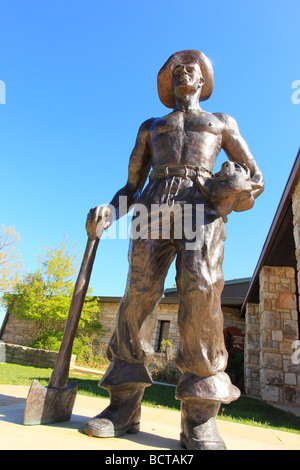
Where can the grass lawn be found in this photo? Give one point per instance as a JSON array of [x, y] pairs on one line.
[[245, 410]]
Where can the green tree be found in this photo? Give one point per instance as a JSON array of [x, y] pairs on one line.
[[44, 297], [10, 258]]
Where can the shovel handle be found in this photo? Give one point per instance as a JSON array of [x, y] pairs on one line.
[[60, 373]]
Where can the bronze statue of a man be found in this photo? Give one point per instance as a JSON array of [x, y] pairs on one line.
[[181, 149]]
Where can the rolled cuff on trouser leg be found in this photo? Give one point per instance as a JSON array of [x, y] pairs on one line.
[[216, 388], [121, 373]]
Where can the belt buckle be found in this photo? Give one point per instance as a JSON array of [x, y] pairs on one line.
[[185, 171], [166, 171]]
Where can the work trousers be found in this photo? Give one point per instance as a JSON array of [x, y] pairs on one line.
[[199, 279]]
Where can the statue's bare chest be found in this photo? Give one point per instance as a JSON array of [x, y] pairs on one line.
[[178, 126]]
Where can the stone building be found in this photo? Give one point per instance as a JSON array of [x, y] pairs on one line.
[[271, 306], [166, 315], [22, 332]]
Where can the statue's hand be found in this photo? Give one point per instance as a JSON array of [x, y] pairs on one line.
[[100, 218], [258, 184]]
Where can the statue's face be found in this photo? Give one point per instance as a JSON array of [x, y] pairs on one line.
[[187, 75]]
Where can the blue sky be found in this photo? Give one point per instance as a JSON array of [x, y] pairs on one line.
[[80, 78]]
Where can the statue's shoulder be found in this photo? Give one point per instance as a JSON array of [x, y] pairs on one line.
[[229, 123], [155, 123], [146, 126]]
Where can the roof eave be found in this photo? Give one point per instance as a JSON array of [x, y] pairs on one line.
[[279, 216]]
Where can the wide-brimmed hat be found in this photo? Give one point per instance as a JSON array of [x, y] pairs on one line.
[[165, 76]]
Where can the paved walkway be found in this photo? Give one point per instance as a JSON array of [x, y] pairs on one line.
[[159, 430]]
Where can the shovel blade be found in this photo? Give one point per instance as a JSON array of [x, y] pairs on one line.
[[45, 405]]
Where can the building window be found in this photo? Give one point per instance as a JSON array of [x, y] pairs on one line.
[[163, 333]]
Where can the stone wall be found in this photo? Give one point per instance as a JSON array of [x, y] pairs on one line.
[[296, 223], [25, 356], [22, 332], [279, 377], [251, 354], [19, 331], [167, 310], [232, 318], [108, 320]]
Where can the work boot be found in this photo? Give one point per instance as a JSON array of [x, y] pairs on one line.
[[198, 425], [201, 398], [121, 416]]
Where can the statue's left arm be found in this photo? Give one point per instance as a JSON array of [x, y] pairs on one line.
[[237, 150]]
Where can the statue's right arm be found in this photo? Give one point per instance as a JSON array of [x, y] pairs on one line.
[[138, 170]]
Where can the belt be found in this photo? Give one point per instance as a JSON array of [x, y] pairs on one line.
[[183, 171]]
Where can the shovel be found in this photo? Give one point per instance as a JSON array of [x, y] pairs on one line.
[[54, 403]]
